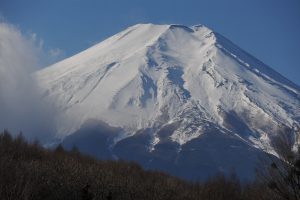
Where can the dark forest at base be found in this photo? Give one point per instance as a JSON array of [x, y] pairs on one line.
[[29, 171]]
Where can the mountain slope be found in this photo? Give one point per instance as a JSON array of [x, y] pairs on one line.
[[169, 88]]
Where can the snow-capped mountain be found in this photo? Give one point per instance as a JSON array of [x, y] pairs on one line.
[[181, 99]]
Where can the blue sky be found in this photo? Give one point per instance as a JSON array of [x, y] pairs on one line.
[[268, 29]]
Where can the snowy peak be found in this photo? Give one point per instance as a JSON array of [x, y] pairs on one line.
[[254, 64], [153, 76]]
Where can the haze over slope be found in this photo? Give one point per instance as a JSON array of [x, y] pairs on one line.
[[177, 93]]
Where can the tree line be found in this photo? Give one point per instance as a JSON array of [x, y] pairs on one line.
[[30, 172]]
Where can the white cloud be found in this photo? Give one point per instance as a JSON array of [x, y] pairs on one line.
[[21, 107], [56, 54]]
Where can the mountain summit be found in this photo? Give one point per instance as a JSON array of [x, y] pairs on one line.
[[181, 99]]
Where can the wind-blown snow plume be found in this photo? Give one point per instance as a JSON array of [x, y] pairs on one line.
[[21, 108]]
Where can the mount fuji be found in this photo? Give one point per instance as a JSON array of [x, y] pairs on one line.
[[180, 99]]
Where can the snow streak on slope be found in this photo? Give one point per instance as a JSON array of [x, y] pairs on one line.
[[153, 76]]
